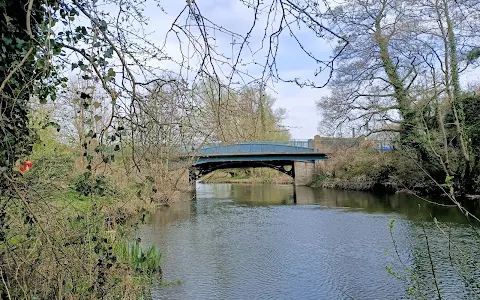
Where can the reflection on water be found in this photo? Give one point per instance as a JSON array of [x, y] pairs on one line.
[[274, 241]]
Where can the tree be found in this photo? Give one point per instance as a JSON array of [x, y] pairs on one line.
[[401, 72], [21, 39], [246, 114]]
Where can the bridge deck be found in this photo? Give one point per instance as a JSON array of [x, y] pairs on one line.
[[266, 157], [253, 148]]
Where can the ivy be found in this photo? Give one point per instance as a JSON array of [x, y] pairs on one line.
[[38, 76]]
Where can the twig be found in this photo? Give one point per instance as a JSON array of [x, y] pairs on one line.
[[29, 209], [15, 69], [6, 287], [431, 263], [29, 15]]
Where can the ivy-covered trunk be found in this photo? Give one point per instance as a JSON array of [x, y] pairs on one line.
[[18, 19], [17, 71], [400, 92]]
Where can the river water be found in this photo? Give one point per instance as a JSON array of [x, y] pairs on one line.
[[276, 242]]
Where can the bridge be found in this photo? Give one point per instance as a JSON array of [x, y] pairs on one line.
[[295, 158], [295, 161]]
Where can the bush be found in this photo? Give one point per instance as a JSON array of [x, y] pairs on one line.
[[363, 162], [100, 186]]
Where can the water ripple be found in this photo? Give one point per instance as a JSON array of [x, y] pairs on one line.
[[231, 244]]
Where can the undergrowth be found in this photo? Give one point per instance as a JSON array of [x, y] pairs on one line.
[[72, 241]]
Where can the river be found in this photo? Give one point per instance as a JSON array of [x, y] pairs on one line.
[[276, 242]]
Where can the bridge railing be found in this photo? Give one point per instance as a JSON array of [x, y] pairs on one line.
[[325, 144], [296, 142]]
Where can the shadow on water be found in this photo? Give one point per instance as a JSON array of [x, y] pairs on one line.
[[410, 206], [266, 195], [258, 195], [168, 214]]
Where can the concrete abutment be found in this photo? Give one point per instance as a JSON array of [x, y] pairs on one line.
[[304, 172]]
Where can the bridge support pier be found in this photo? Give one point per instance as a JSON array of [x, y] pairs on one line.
[[185, 182], [303, 172]]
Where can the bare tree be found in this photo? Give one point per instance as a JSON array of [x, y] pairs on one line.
[[391, 45]]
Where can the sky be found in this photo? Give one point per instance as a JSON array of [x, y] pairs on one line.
[[302, 119], [235, 16]]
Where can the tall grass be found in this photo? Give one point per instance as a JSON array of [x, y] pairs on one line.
[[145, 262]]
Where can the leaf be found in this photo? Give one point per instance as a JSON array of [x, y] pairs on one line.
[[85, 96], [99, 148], [6, 40], [7, 18], [52, 124], [109, 53], [473, 55], [103, 25], [111, 72]]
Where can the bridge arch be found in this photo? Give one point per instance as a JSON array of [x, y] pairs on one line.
[[201, 170]]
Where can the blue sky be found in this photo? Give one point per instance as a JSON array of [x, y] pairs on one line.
[[292, 63]]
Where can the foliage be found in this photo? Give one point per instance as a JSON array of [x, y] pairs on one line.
[[145, 262], [367, 169], [319, 178], [99, 185], [16, 50], [251, 176], [355, 162], [73, 255]]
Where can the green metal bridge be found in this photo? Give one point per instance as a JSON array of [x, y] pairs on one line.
[[295, 157]]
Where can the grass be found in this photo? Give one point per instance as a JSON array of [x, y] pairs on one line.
[[145, 262]]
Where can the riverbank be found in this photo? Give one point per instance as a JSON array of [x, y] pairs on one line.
[[356, 184], [259, 177], [364, 169], [74, 229]]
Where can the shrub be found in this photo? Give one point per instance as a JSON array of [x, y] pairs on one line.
[[100, 186]]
